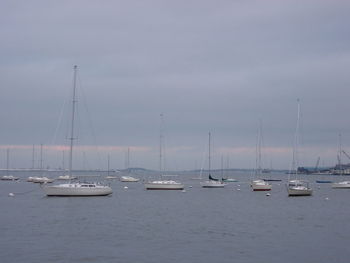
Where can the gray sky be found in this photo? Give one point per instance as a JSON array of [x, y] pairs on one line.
[[216, 66]]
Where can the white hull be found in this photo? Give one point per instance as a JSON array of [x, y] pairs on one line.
[[260, 185], [39, 180], [111, 177], [164, 185], [9, 178], [212, 184], [341, 185], [77, 189], [128, 179], [299, 191], [66, 177]]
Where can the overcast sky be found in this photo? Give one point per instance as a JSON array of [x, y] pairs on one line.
[[218, 66]]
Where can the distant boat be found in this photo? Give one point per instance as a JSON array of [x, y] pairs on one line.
[[8, 177], [272, 180], [66, 177], [324, 181], [109, 177], [297, 187], [128, 178], [212, 182], [76, 188], [162, 184], [258, 184], [341, 185], [39, 179], [229, 180]]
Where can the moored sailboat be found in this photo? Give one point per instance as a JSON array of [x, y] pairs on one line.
[[212, 182], [76, 188], [297, 187], [162, 184]]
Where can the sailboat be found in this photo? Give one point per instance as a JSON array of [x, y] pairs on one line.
[[162, 184], [297, 187], [342, 184], [128, 178], [8, 177], [75, 188], [259, 184], [212, 182], [108, 175]]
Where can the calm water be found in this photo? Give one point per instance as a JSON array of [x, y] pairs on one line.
[[200, 225]]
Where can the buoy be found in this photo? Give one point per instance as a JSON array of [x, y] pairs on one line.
[[11, 194], [125, 187], [268, 194]]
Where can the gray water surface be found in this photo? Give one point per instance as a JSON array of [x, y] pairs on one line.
[[199, 225]]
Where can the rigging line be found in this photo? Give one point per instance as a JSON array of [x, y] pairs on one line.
[[90, 123], [59, 123], [203, 158]]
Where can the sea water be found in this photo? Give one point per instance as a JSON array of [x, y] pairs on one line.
[[232, 224]]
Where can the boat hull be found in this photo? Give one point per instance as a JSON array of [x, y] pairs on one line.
[[212, 184], [164, 186], [260, 185], [261, 188], [299, 192], [72, 190], [341, 185], [129, 179]]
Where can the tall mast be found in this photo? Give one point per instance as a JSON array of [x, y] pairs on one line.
[[41, 156], [209, 154], [72, 123], [296, 142], [340, 155], [108, 165], [33, 157], [7, 160], [160, 144]]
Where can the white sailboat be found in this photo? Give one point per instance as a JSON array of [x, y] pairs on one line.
[[40, 179], [342, 184], [128, 178], [259, 184], [8, 177], [108, 175], [163, 184], [212, 182], [297, 187], [76, 188]]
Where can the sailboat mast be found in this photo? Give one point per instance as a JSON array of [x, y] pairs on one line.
[[209, 154], [340, 155], [160, 144], [72, 123], [296, 142]]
